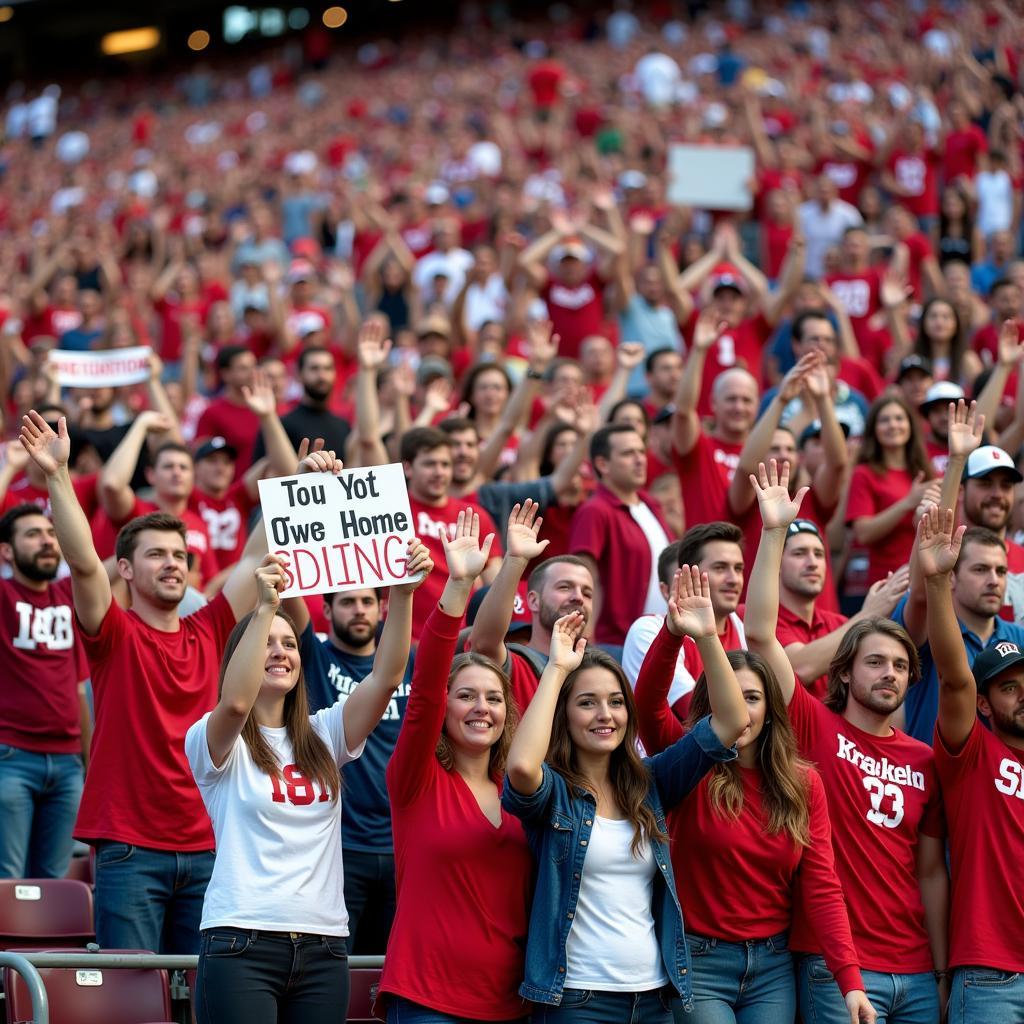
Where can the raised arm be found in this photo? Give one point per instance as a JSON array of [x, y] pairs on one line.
[[965, 434], [685, 422], [160, 401], [89, 583], [1009, 356], [773, 304], [261, 401], [372, 350], [244, 674], [628, 356], [115, 481], [494, 615], [938, 547], [370, 699], [828, 477], [778, 510], [533, 736]]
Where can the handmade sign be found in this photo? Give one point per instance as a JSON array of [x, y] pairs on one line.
[[110, 369]]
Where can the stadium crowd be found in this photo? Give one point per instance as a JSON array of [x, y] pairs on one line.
[[705, 697]]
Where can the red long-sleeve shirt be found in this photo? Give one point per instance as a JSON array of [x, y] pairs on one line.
[[736, 880], [464, 886]]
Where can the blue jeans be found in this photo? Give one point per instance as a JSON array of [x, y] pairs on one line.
[[898, 998], [742, 982], [150, 899], [402, 1011], [987, 995], [583, 1006], [39, 796], [255, 977]]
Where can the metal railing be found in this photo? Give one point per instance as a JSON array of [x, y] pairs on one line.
[[27, 965]]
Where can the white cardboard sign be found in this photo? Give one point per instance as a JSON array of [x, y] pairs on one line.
[[710, 177], [113, 369], [339, 533]]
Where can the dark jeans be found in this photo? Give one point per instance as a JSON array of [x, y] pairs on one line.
[[582, 1006], [253, 977], [369, 900], [150, 899]]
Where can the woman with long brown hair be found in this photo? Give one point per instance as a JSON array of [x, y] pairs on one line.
[[606, 942], [274, 922], [887, 485], [462, 866], [742, 838]]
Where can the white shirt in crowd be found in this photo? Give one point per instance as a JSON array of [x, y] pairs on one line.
[[657, 75], [612, 946], [278, 865], [657, 541], [823, 229], [452, 264], [994, 190]]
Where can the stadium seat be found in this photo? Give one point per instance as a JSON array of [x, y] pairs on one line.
[[83, 868], [363, 984], [90, 996], [45, 912]]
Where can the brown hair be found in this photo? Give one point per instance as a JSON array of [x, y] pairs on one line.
[[630, 777], [422, 439], [978, 535], [842, 663], [499, 749], [914, 450], [128, 535], [311, 754], [691, 546], [784, 773]]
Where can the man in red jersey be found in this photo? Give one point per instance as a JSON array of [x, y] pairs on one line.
[[153, 675], [427, 457], [982, 775], [230, 415], [41, 702], [883, 796]]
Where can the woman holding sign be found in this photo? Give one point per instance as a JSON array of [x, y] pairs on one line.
[[463, 869], [606, 936], [274, 919]]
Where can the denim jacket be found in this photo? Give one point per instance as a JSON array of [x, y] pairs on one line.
[[558, 824]]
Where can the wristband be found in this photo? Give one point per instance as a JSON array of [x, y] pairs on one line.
[[532, 374]]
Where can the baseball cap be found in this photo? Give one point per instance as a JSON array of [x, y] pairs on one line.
[[301, 270], [215, 444], [995, 660], [431, 368], [630, 179], [309, 323], [911, 363], [572, 248], [813, 429], [987, 459], [725, 275], [942, 391], [802, 526], [434, 324]]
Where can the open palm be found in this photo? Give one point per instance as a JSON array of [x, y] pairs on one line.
[[523, 527], [465, 555], [938, 547], [260, 397], [48, 450], [778, 509], [690, 612], [966, 428]]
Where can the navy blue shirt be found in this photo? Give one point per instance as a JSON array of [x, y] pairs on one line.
[[922, 703], [331, 675]]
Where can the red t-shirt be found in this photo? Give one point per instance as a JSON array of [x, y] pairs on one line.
[[919, 248], [861, 375], [237, 424], [918, 174], [861, 296], [704, 476], [986, 343], [43, 664], [871, 493], [576, 312], [605, 530], [53, 322], [463, 886], [149, 687], [741, 878], [171, 312], [545, 79], [849, 175], [226, 521], [983, 787], [791, 629], [23, 491], [882, 792], [960, 156], [742, 345], [428, 521]]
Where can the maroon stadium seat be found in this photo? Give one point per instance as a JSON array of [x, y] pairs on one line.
[[362, 989], [45, 912], [90, 996], [83, 868]]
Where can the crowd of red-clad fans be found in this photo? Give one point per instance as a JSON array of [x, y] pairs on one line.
[[744, 649]]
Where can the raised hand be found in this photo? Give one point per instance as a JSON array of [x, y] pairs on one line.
[[48, 450], [567, 643], [966, 428], [156, 366], [817, 381], [690, 612], [437, 395], [938, 546], [542, 345], [270, 581], [523, 527], [795, 380], [629, 355], [465, 555], [372, 347], [707, 330], [1011, 351], [155, 422], [260, 396], [778, 509], [885, 594], [16, 456], [321, 460], [894, 291], [418, 566]]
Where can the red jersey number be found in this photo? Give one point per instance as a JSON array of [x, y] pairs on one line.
[[297, 790]]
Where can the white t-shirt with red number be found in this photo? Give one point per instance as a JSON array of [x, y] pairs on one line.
[[278, 865]]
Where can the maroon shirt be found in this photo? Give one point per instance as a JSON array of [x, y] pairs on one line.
[[793, 630], [237, 424]]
